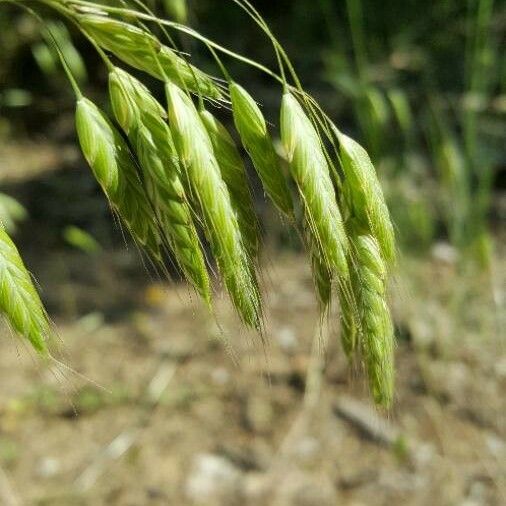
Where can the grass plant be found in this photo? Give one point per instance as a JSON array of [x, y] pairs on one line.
[[180, 171]]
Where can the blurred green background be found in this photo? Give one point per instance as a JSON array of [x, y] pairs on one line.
[[423, 86]]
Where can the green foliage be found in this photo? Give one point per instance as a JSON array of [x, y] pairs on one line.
[[82, 240], [424, 91], [176, 9], [47, 58]]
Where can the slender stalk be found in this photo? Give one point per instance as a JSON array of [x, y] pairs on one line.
[[100, 51], [171, 24], [255, 15], [220, 64], [355, 15], [61, 56], [318, 116]]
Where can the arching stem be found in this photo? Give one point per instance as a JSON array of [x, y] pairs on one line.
[[59, 52]]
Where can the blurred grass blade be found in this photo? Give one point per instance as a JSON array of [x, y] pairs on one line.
[[11, 212], [81, 240]]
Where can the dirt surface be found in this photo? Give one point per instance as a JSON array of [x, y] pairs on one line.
[[177, 411]]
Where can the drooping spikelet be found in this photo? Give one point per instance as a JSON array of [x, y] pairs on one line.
[[19, 300], [129, 97], [310, 170], [322, 276], [234, 174], [140, 115], [142, 50], [368, 202], [377, 333], [113, 166], [154, 149], [252, 128], [210, 193], [349, 313]]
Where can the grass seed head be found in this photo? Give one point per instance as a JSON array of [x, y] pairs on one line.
[[111, 161], [142, 50], [128, 95], [233, 173], [142, 118], [367, 196], [19, 300], [210, 193], [160, 167], [322, 276], [252, 128], [98, 144], [350, 322], [310, 170], [377, 333]]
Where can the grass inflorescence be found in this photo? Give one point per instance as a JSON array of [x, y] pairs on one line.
[[212, 198], [144, 51], [19, 300], [310, 171], [367, 197], [178, 172], [143, 120], [252, 128], [376, 327], [233, 173], [114, 167]]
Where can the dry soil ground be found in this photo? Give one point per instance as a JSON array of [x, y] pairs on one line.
[[179, 412]]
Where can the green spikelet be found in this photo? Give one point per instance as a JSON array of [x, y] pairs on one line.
[[128, 98], [234, 174], [98, 142], [350, 322], [19, 301], [145, 52], [310, 171], [111, 162], [377, 339], [252, 128], [212, 197], [140, 115], [368, 202], [322, 276], [166, 189]]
